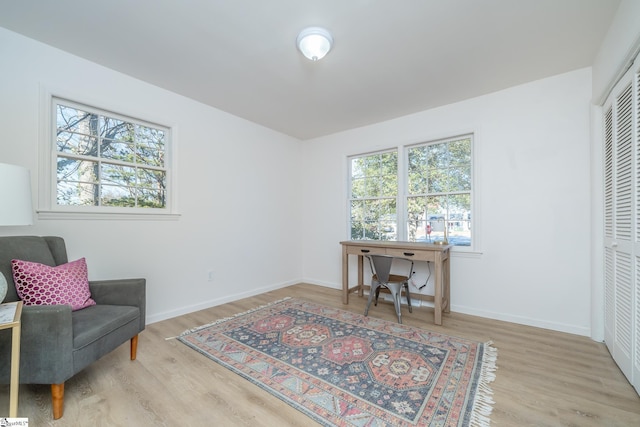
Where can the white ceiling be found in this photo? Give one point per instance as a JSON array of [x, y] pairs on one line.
[[390, 58]]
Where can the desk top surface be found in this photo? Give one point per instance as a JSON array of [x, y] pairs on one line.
[[395, 244]]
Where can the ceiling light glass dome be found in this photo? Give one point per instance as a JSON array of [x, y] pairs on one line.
[[314, 42]]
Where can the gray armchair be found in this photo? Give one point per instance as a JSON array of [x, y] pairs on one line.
[[56, 343]]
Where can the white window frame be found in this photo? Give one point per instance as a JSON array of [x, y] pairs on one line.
[[48, 208], [405, 184], [401, 197], [350, 186]]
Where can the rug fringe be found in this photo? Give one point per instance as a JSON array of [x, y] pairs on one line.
[[216, 322], [483, 404]]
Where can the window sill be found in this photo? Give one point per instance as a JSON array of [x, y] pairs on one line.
[[126, 216], [466, 254]]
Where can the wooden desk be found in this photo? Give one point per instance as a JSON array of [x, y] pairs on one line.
[[439, 255], [14, 324]]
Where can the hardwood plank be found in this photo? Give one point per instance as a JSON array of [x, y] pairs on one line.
[[544, 378]]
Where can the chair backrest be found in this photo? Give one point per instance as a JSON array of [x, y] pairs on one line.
[[46, 250], [381, 266]]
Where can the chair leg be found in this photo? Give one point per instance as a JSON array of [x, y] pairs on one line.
[[372, 291], [396, 294], [396, 302], [406, 287], [57, 400], [134, 347]]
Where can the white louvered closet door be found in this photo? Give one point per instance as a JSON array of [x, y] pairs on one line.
[[622, 225], [635, 295]]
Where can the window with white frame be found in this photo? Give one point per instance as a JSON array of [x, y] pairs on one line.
[[439, 191], [425, 197], [106, 161], [373, 196]]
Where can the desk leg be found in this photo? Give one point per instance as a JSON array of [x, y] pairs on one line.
[[345, 276], [437, 298], [447, 283], [15, 372], [360, 275]]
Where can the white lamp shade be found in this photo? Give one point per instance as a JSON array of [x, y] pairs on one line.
[[314, 42], [15, 195]]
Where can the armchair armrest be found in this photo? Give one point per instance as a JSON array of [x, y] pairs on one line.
[[46, 327], [121, 292]]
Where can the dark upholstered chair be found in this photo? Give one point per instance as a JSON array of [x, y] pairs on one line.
[[57, 343]]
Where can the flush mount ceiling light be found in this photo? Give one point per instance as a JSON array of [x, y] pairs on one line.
[[314, 42]]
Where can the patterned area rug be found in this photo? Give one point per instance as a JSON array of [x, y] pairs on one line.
[[345, 369]]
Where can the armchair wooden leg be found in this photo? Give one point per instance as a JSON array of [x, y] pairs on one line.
[[134, 347], [57, 400]]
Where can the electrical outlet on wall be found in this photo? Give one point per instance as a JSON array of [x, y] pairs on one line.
[[211, 275]]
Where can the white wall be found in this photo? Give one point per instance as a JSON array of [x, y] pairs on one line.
[[236, 183], [532, 190]]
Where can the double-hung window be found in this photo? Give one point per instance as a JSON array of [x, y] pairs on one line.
[[418, 193], [373, 199], [107, 162], [439, 191]]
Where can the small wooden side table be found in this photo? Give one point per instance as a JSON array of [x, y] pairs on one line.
[[14, 324]]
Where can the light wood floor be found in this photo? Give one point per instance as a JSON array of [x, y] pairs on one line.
[[544, 378]]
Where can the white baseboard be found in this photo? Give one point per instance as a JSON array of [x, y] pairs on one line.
[[214, 302], [522, 320]]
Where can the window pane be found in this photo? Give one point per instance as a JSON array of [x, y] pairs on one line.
[[357, 167], [389, 186], [119, 130], [372, 186], [357, 217], [371, 165], [460, 152], [150, 198], [72, 119], [373, 219], [417, 170], [115, 150], [118, 174], [150, 138], [74, 143], [438, 156], [416, 218], [149, 157], [389, 163], [76, 170], [77, 194], [460, 178], [357, 188], [151, 178], [438, 180], [116, 195], [151, 146], [436, 215], [418, 182], [459, 219]]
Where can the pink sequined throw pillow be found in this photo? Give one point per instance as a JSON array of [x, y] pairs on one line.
[[66, 284]]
